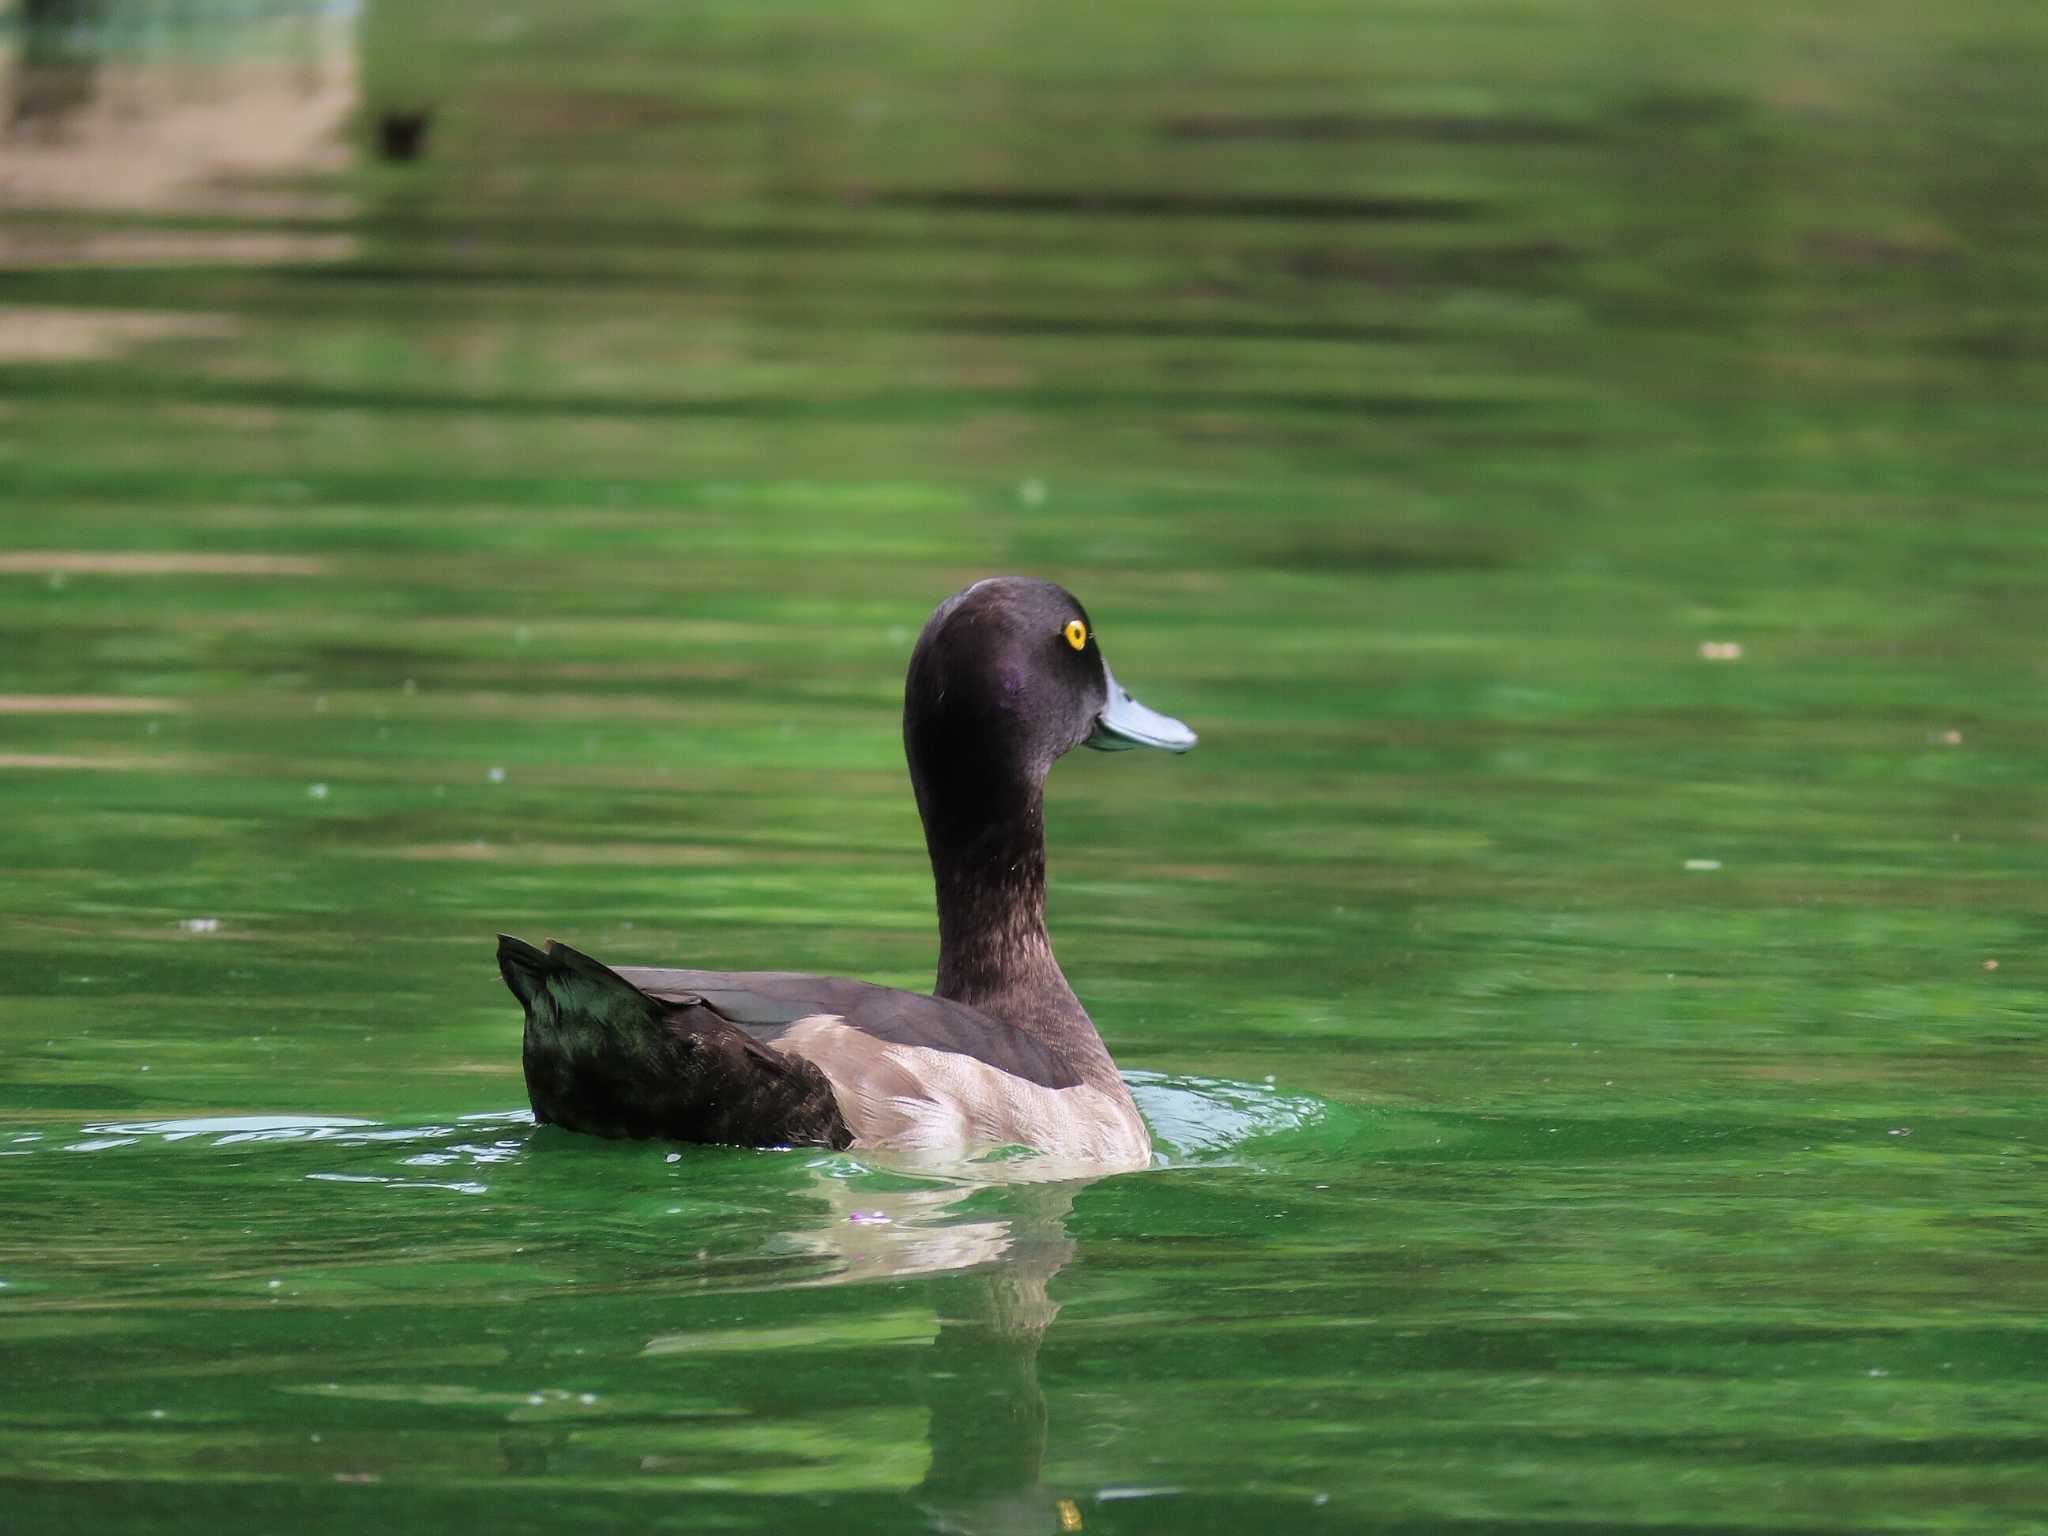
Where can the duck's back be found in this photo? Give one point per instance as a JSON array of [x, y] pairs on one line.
[[779, 1058]]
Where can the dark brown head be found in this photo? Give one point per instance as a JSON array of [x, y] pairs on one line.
[[1006, 678]]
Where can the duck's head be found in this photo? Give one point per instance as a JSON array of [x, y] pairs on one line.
[[1007, 677]]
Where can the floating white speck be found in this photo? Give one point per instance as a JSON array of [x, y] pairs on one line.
[[1990, 965], [316, 791], [200, 924], [867, 1218], [673, 1157], [1949, 738], [496, 775], [522, 635], [1032, 492], [1702, 863], [1720, 650]]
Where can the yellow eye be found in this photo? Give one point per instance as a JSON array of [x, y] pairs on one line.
[[1076, 633]]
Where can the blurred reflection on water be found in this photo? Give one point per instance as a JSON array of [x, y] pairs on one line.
[[129, 104]]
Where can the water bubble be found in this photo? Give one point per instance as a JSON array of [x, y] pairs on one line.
[[316, 791]]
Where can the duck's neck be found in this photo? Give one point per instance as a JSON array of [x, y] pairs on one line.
[[987, 844]]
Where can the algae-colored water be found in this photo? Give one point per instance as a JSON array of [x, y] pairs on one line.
[[1579, 466]]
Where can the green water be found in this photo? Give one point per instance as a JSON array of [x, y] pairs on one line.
[[1598, 1084]]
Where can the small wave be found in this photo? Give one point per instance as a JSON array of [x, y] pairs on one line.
[[1207, 1120], [1196, 1121]]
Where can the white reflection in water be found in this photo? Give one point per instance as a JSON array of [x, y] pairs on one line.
[[234, 1128], [884, 1215], [385, 1181]]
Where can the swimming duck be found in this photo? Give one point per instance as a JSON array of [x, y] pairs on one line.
[[1005, 678]]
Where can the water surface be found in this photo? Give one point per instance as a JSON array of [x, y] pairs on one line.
[[1576, 465]]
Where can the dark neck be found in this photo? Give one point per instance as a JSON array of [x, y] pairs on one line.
[[987, 844]]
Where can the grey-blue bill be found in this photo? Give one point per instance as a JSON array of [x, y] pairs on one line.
[[1125, 723]]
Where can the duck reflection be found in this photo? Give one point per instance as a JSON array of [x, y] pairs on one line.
[[996, 1247], [991, 1236]]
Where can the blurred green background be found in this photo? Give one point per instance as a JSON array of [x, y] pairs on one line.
[[1577, 464]]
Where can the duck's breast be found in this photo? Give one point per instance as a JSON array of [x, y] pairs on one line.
[[900, 1095]]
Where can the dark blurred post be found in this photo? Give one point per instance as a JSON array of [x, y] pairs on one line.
[[59, 62]]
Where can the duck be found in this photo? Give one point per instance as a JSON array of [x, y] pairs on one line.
[[1005, 678]]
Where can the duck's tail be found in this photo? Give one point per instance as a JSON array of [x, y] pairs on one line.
[[605, 1057], [560, 983]]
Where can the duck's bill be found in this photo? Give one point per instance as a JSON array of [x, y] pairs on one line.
[[1125, 723]]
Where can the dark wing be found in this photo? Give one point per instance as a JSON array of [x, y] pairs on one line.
[[766, 1003], [604, 1057]]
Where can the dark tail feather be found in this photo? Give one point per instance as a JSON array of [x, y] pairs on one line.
[[604, 1057], [562, 981], [524, 968]]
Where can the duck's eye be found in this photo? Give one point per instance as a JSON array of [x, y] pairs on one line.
[[1076, 633]]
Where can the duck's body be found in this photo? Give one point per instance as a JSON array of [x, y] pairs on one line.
[[1004, 679]]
